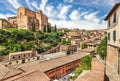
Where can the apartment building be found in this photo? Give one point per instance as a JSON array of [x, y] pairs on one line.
[[113, 34]]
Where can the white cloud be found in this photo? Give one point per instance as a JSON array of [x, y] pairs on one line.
[[14, 3], [29, 4], [4, 16], [43, 4], [68, 1], [75, 15], [81, 24], [34, 4], [51, 12], [59, 14], [63, 11], [92, 17]]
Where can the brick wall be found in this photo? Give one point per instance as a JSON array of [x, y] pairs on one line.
[[62, 70]]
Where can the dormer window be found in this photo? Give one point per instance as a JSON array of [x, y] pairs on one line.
[[114, 19]]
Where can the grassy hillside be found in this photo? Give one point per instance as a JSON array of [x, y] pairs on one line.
[[13, 40]]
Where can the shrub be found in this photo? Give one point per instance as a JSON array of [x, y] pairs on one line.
[[83, 46], [102, 48], [68, 52]]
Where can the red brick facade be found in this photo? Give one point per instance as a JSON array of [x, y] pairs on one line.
[[61, 71]]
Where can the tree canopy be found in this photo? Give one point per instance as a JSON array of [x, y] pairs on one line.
[[102, 48], [13, 40]]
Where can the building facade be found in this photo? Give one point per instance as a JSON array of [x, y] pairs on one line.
[[28, 20], [22, 55], [71, 48], [4, 24], [12, 21], [113, 34]]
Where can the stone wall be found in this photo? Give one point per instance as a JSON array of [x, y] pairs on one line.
[[112, 57], [53, 50], [3, 23], [72, 48]]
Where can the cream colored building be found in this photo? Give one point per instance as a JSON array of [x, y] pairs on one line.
[[22, 55], [113, 35], [72, 48]]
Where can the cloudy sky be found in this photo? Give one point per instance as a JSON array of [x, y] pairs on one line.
[[82, 14]]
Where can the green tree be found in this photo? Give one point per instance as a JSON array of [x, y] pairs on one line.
[[17, 47], [83, 45], [85, 65], [55, 29], [33, 26], [28, 45], [64, 41], [102, 48], [49, 28], [44, 28], [39, 35], [68, 52]]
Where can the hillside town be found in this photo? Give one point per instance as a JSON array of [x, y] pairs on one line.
[[31, 49]]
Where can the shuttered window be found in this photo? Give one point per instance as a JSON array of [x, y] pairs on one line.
[[114, 21], [108, 36], [114, 35]]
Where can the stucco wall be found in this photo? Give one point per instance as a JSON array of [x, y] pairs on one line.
[[114, 27]]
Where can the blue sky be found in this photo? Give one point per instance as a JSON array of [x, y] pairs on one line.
[[82, 14]]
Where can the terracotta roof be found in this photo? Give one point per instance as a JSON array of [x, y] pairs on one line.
[[115, 7], [96, 74], [91, 76], [73, 34], [8, 72], [31, 76], [51, 64], [3, 71]]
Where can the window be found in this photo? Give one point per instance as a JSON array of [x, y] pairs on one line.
[[114, 35], [108, 36], [109, 23], [114, 19], [20, 13], [16, 61]]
